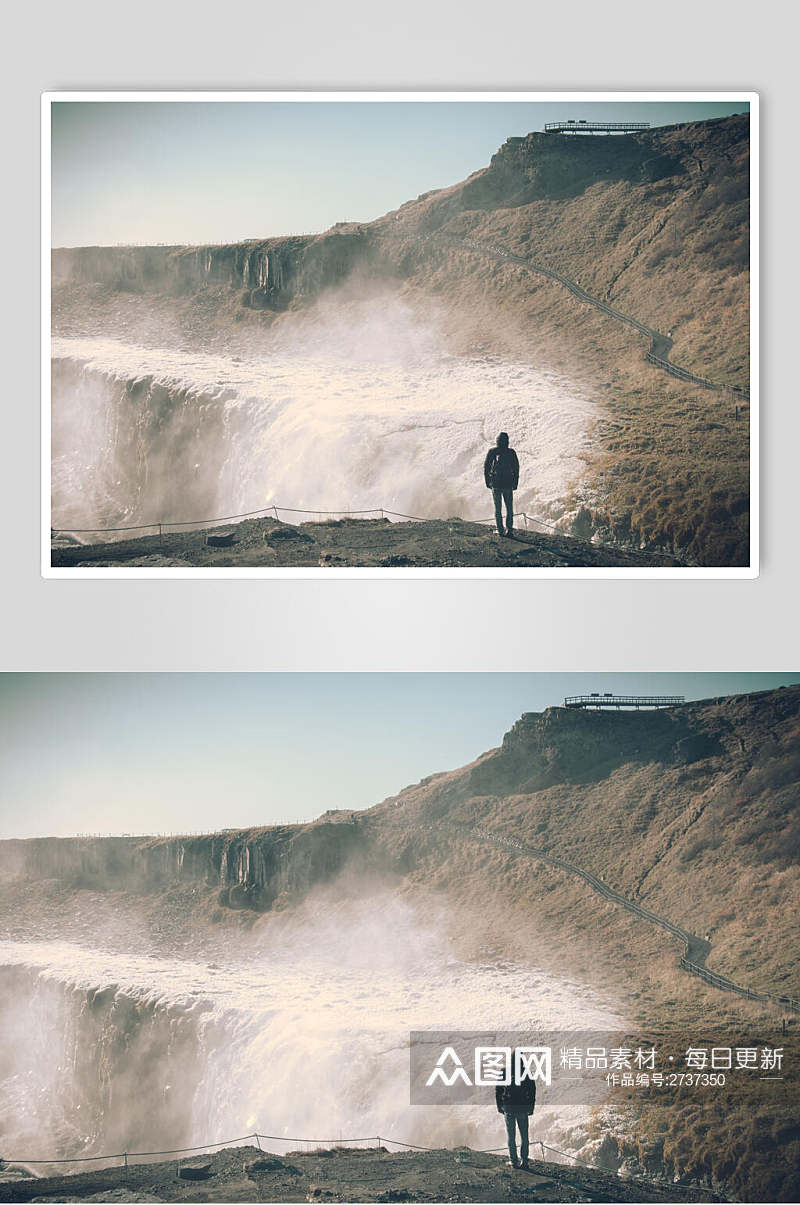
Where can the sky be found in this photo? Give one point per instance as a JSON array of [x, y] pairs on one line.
[[156, 753], [198, 172]]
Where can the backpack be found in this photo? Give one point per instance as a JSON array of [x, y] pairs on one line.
[[502, 472]]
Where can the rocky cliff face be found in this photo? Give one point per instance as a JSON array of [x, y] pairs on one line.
[[251, 867], [692, 811], [574, 748], [561, 167], [545, 167], [562, 745], [268, 274]]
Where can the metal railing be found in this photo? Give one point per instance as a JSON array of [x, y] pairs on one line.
[[578, 127], [635, 701]]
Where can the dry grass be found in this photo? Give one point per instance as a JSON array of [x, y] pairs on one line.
[[744, 1134]]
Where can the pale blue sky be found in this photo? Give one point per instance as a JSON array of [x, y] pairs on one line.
[[115, 753], [181, 172]]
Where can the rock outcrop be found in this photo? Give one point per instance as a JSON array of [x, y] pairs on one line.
[[251, 867], [542, 167], [563, 745], [268, 274]]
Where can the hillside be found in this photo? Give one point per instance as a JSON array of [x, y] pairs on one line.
[[692, 812], [653, 224]]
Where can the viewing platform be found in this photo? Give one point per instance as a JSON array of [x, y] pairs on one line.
[[595, 127], [634, 702]]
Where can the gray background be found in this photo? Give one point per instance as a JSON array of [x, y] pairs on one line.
[[418, 624]]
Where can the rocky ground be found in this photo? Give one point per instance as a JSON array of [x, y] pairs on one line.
[[347, 1174], [343, 543]]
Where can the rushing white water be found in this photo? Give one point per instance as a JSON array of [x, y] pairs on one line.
[[376, 416], [105, 1051]]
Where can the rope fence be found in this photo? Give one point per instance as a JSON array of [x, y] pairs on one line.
[[382, 511], [378, 1139], [163, 525]]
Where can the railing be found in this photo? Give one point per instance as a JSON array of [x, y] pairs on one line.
[[578, 127], [690, 940], [162, 526], [379, 1139], [658, 340], [623, 700]]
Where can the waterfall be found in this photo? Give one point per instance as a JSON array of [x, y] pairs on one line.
[[105, 1050], [141, 435]]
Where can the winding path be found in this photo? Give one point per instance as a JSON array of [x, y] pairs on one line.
[[660, 344], [696, 949]]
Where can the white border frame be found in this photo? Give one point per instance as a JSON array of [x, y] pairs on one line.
[[48, 571]]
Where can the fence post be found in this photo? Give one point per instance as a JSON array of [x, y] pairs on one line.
[[258, 1142], [125, 1157]]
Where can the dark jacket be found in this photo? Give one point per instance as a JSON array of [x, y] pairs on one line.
[[516, 1098], [501, 469]]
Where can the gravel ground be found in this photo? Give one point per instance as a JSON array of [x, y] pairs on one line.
[[450, 543]]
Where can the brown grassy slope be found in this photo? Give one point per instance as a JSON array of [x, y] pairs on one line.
[[671, 466], [744, 1134], [672, 252], [693, 812]]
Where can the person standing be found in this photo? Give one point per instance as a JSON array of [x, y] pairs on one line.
[[516, 1102], [501, 474]]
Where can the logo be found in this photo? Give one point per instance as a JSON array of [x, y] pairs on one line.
[[494, 1066]]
